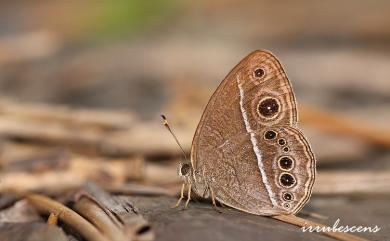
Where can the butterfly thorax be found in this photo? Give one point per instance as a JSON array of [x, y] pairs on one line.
[[200, 187], [194, 178]]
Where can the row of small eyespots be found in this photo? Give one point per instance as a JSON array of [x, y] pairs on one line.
[[285, 163], [270, 135], [288, 197], [287, 180]]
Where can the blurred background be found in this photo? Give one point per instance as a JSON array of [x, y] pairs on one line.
[[168, 56], [152, 57], [139, 59]]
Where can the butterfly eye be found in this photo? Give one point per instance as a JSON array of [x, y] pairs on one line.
[[185, 169], [287, 180], [259, 73]]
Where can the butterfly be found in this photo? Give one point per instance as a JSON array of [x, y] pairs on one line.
[[247, 151]]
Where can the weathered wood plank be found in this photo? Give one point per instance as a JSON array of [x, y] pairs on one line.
[[201, 222], [34, 231]]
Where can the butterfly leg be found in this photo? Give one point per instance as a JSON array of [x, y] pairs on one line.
[[188, 196], [213, 200], [181, 195]]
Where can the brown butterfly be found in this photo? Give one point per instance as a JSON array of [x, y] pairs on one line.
[[247, 152]]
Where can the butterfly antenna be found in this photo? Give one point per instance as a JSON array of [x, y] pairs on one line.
[[174, 136]]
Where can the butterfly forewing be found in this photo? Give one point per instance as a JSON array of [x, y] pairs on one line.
[[246, 128]]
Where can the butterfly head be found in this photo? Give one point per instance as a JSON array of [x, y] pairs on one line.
[[185, 169]]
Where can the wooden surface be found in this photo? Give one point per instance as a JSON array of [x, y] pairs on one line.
[[201, 222], [30, 232]]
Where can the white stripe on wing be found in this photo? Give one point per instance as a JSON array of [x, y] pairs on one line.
[[255, 145]]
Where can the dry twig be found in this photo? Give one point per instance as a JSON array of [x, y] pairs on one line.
[[341, 125], [68, 216], [121, 218]]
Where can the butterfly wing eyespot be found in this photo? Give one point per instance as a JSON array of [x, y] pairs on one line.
[[286, 163], [259, 72], [269, 135], [282, 141], [287, 180], [287, 196], [268, 107], [286, 205]]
